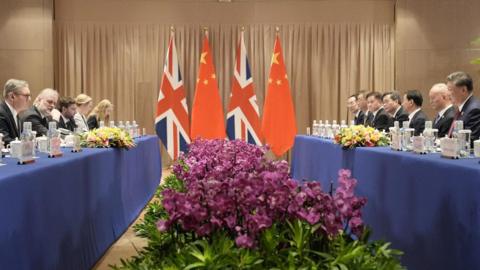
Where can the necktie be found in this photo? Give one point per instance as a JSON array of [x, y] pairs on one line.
[[18, 125], [457, 115], [436, 119]]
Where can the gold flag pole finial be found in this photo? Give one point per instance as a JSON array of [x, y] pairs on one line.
[[205, 30], [172, 29], [243, 28], [277, 30]]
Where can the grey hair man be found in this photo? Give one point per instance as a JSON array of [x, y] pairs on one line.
[[16, 99], [40, 113], [441, 102]]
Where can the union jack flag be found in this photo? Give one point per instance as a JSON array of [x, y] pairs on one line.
[[243, 120], [171, 123]]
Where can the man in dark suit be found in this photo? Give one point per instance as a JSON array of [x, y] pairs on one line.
[[392, 105], [68, 109], [412, 102], [460, 86], [362, 105], [40, 113], [380, 119], [441, 103], [16, 98], [352, 106]]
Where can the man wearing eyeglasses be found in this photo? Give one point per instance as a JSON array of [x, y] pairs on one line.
[[16, 95], [40, 113]]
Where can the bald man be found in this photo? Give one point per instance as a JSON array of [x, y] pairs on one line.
[[440, 101]]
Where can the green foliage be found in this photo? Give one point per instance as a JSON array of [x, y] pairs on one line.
[[291, 245]]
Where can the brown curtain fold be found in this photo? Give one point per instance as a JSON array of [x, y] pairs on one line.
[[124, 62]]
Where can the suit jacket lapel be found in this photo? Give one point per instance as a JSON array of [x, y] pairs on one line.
[[13, 126]]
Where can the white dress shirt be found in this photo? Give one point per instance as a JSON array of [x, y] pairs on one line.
[[81, 122]]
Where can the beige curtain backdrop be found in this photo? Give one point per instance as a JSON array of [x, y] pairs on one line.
[[124, 62]]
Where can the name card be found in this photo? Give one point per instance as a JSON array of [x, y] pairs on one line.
[[419, 144], [26, 153], [55, 147], [449, 148]]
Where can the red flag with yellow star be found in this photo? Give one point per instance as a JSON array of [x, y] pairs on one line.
[[278, 124], [207, 111]]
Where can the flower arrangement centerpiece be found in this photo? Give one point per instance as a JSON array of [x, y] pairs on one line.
[[227, 207], [107, 137], [360, 135]]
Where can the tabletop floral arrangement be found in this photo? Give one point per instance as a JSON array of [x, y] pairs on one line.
[[227, 207], [105, 137], [361, 136]]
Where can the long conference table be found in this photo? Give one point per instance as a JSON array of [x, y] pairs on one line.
[[64, 213], [427, 206]]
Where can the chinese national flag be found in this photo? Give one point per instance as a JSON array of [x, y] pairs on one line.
[[278, 124], [207, 112]]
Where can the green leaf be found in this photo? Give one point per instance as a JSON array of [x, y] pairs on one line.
[[194, 265]]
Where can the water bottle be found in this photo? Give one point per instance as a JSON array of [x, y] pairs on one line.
[[52, 133], [430, 135], [112, 124], [120, 125], [135, 129], [321, 129], [101, 124], [335, 129], [27, 134], [458, 125], [328, 130], [407, 134], [315, 128], [128, 128]]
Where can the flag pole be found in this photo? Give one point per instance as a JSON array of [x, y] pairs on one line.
[[172, 31], [205, 30]]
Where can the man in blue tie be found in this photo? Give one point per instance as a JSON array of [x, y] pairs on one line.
[[440, 101], [460, 86]]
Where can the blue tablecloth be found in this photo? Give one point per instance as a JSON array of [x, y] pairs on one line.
[[427, 206], [63, 213]]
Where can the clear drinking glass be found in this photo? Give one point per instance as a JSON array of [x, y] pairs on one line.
[[430, 135], [407, 135], [464, 136]]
